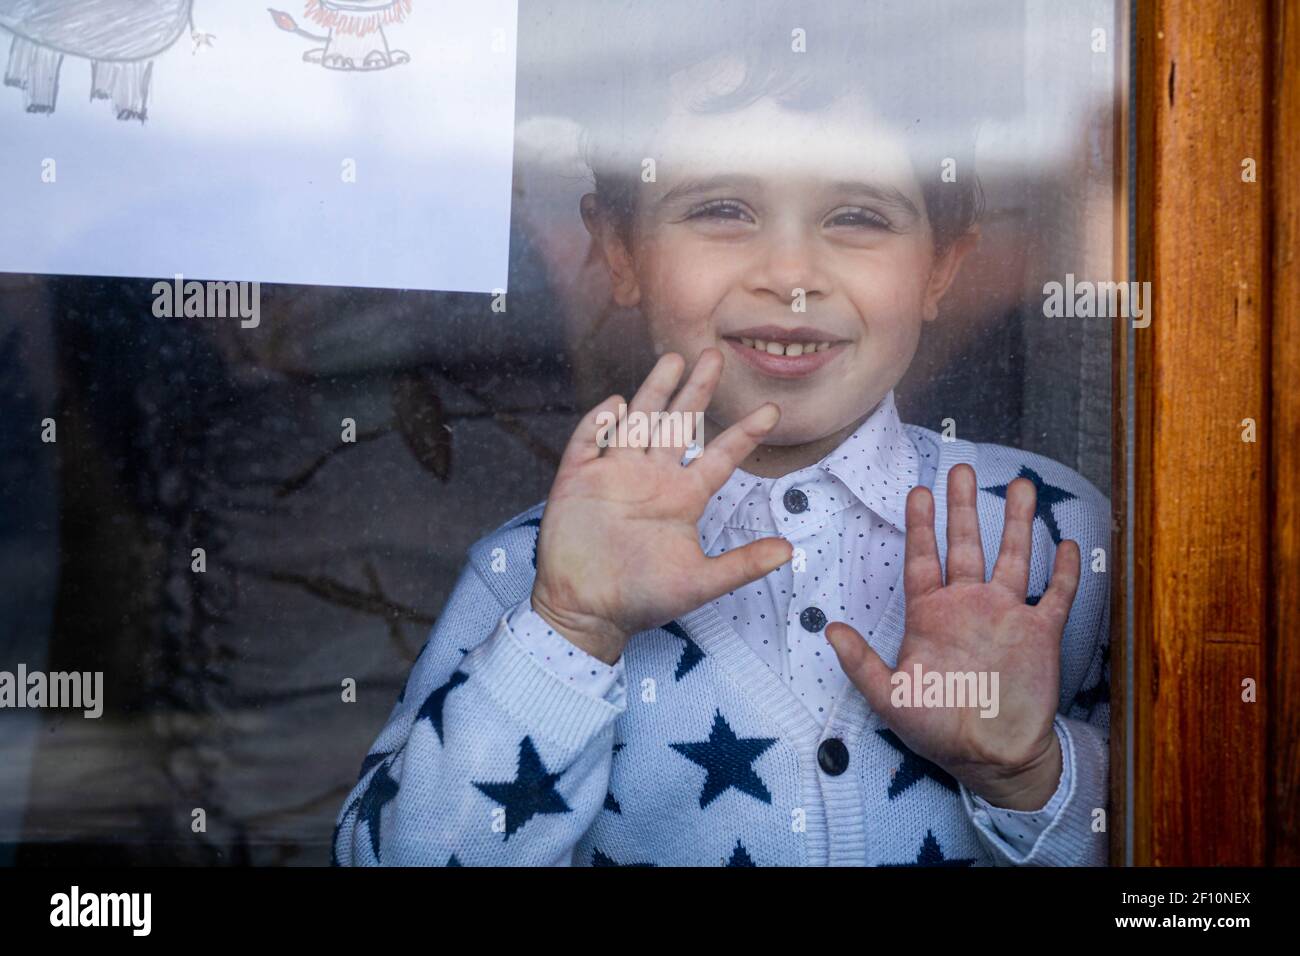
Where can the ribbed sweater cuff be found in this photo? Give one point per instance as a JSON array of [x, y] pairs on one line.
[[544, 704], [1069, 840]]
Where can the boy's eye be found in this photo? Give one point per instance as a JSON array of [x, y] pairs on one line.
[[726, 209], [858, 217]]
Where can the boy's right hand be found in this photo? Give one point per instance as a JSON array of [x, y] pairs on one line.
[[619, 550]]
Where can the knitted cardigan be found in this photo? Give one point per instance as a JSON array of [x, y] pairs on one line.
[[704, 756]]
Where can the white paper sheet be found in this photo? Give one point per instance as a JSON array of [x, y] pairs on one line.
[[238, 169]]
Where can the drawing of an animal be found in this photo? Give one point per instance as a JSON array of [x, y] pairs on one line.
[[120, 38], [356, 38]]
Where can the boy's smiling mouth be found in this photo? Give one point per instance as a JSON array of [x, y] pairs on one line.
[[784, 353]]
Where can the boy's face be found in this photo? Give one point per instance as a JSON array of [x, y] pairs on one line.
[[749, 207]]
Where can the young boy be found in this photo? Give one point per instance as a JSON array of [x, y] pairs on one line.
[[768, 652]]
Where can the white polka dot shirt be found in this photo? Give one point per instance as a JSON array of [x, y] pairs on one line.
[[845, 518]]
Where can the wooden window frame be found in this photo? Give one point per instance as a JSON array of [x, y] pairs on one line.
[[1200, 776]]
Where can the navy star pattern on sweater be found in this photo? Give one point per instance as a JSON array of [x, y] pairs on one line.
[[531, 793], [691, 653], [431, 709], [1098, 693], [600, 859], [740, 856], [727, 761], [932, 855], [914, 768], [370, 760], [381, 790], [533, 523], [610, 803], [1048, 495]]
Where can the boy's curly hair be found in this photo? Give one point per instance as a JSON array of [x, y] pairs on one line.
[[843, 58]]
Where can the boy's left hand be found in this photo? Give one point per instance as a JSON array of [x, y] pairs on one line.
[[1013, 759]]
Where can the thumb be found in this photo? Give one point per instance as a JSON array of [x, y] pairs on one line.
[[862, 665], [735, 569]]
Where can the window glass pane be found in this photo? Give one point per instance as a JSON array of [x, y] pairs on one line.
[[250, 527]]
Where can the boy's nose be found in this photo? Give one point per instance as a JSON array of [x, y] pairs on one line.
[[790, 262]]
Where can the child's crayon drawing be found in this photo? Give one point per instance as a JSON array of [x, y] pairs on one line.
[[355, 37], [120, 38]]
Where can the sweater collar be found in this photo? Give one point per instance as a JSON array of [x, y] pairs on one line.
[[875, 466]]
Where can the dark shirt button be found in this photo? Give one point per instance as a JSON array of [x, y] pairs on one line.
[[812, 619], [833, 756], [796, 502]]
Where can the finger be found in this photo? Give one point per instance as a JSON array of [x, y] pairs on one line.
[[921, 571], [651, 397], [698, 390], [725, 453], [1012, 567], [689, 403], [862, 665], [734, 569], [598, 425], [1064, 583], [965, 553]]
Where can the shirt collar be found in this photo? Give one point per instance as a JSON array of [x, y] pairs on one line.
[[876, 465]]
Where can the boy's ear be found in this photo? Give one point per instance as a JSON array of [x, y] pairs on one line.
[[945, 271], [618, 258]]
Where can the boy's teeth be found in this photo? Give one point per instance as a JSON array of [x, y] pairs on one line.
[[793, 350]]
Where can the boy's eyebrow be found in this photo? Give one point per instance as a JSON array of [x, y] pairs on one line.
[[885, 194]]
